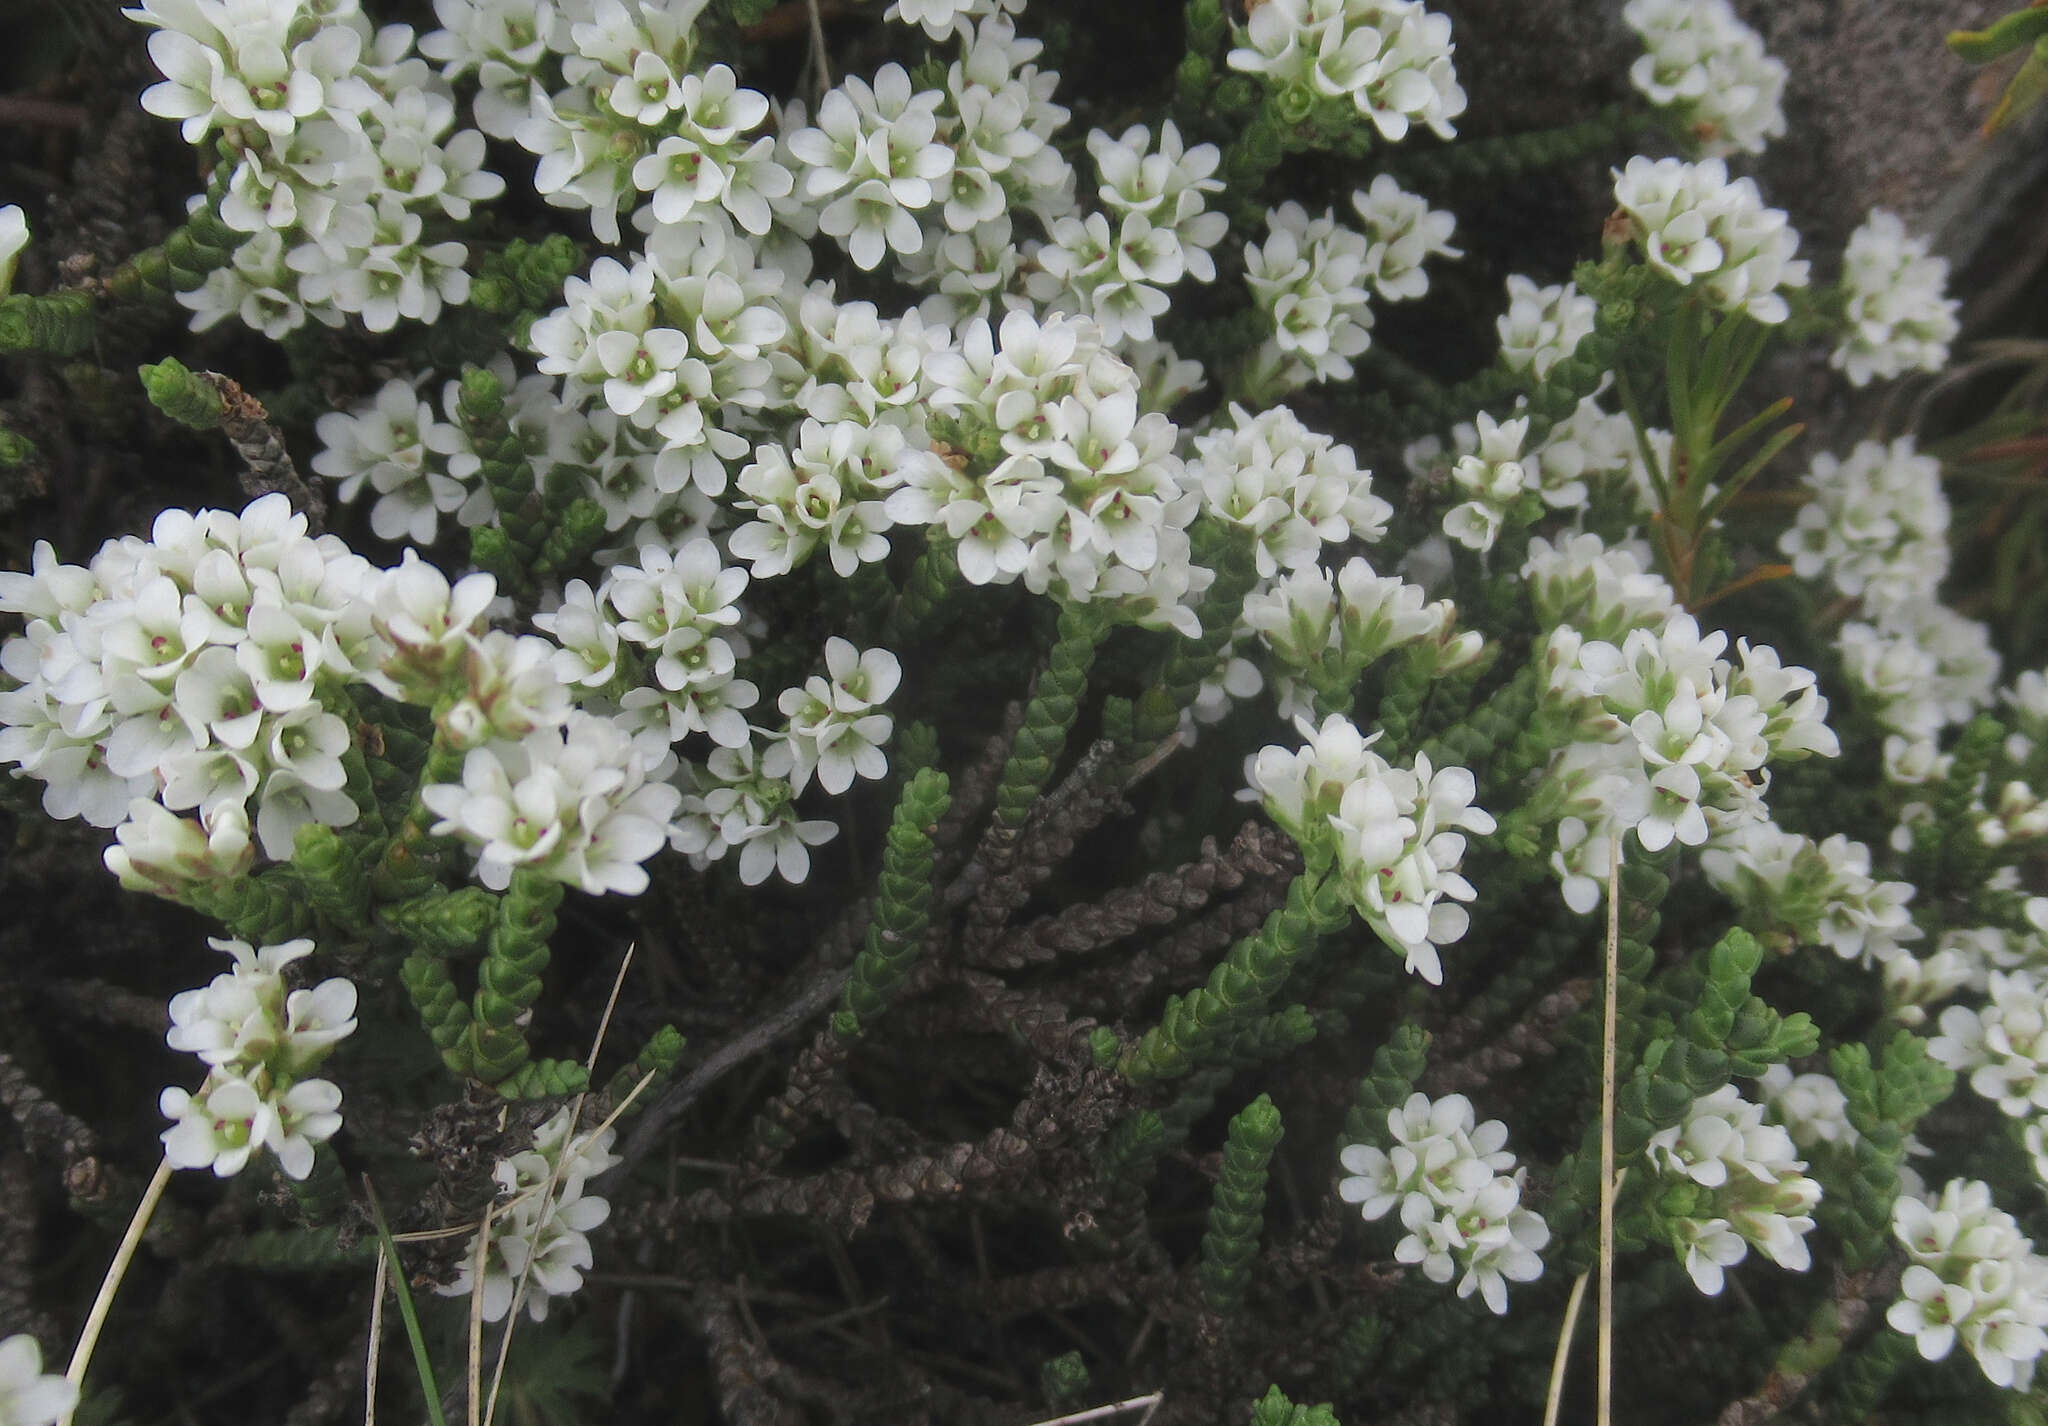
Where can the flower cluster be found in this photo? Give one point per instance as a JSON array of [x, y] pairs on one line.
[[1695, 224], [1056, 476], [540, 1227], [187, 670], [1162, 232], [420, 468], [2003, 1045], [1405, 232], [1736, 1182], [1672, 731], [1923, 666], [580, 802], [1459, 1195], [1820, 893], [1391, 58], [1877, 525], [1543, 325], [1391, 836], [1493, 478], [344, 161], [1295, 490], [1325, 630], [1310, 280], [261, 1042], [671, 344], [1899, 315], [1973, 1275], [1710, 70]]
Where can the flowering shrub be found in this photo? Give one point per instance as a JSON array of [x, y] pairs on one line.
[[1088, 725]]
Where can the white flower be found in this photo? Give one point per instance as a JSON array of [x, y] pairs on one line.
[[1898, 315], [1405, 232], [1310, 277], [1543, 325], [1973, 1277], [833, 727], [1877, 525], [1922, 665], [1392, 835], [1711, 70], [1748, 1188], [1696, 224], [1459, 1196], [1294, 489], [13, 238], [576, 803], [541, 1226], [29, 1396]]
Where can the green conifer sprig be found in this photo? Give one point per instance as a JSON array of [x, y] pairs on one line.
[[440, 1006], [1396, 1065], [925, 589], [262, 908], [903, 902], [506, 468], [53, 324], [334, 869], [545, 1079], [566, 546], [16, 450], [1886, 1099], [322, 1196], [1274, 1409], [183, 394], [1407, 689], [1193, 1027], [296, 1250], [443, 921], [409, 867], [1947, 857], [1357, 1350], [1049, 716], [658, 1057], [509, 980], [1237, 1206]]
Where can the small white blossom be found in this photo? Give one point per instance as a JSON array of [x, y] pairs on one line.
[[1459, 1196], [1543, 325], [1711, 70], [1973, 1277], [28, 1395], [1897, 313]]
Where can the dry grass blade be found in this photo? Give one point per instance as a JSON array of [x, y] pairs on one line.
[[111, 1283], [422, 1363], [1103, 1413], [1554, 1402], [476, 1315], [571, 1146], [376, 1338], [1604, 1412]]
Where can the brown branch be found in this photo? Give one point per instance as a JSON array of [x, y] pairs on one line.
[[267, 464], [51, 1134], [1857, 1295], [1534, 1036], [1159, 900], [746, 1371], [722, 1061]]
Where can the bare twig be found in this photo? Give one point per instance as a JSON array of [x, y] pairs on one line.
[[1148, 1403], [722, 1061], [111, 1283], [1604, 1413]]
